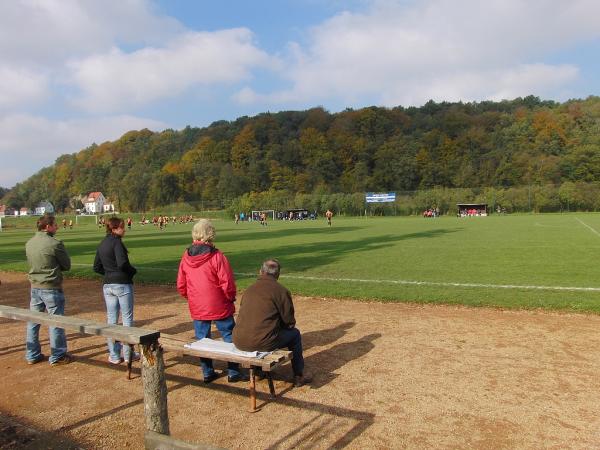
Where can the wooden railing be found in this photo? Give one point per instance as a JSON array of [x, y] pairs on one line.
[[153, 366]]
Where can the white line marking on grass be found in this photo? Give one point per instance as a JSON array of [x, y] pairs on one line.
[[408, 282], [435, 283], [586, 225]]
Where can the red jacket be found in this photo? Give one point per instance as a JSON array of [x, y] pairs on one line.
[[205, 278]]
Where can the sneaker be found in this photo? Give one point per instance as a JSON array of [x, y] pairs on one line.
[[65, 359], [31, 362], [301, 380], [115, 361], [210, 378], [238, 377]]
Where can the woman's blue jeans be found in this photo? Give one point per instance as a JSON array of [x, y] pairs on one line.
[[118, 297], [53, 301], [225, 327]]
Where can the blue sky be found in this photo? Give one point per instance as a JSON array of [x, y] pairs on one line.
[[74, 72]]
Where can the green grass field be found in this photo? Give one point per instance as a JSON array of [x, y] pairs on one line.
[[513, 261]]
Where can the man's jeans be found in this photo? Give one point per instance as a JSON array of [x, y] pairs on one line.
[[225, 327], [118, 297], [52, 301], [290, 338]]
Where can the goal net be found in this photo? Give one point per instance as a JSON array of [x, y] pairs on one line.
[[87, 219], [269, 212], [17, 223]]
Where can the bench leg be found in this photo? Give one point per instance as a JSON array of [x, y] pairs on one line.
[[271, 386], [252, 390], [130, 361]]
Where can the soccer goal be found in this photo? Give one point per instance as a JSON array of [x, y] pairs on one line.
[[16, 222], [269, 212], [86, 219]]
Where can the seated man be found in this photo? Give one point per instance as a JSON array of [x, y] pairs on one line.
[[266, 320]]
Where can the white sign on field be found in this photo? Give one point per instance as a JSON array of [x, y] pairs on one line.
[[380, 197]]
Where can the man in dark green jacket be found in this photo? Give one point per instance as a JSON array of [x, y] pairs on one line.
[[47, 260], [266, 319]]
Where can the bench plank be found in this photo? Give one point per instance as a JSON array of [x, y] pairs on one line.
[[128, 335], [268, 363]]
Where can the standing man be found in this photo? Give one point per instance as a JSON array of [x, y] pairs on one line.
[[266, 320], [329, 215], [47, 260]]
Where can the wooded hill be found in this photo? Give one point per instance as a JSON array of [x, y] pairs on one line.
[[526, 141]]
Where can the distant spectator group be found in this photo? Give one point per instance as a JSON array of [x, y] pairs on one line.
[[472, 212], [431, 212]]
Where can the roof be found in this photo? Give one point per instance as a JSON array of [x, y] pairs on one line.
[[93, 196]]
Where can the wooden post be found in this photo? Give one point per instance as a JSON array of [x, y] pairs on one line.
[[252, 390], [155, 388]]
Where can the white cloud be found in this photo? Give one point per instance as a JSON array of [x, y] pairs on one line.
[[118, 79], [38, 37], [20, 86], [28, 143], [408, 52], [50, 31]]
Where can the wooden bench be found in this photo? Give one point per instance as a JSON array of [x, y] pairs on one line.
[[264, 365]]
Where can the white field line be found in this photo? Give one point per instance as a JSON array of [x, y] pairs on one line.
[[587, 226], [405, 282], [435, 283]]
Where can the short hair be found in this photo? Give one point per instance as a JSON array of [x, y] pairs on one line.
[[114, 223], [44, 221], [271, 267], [203, 231]]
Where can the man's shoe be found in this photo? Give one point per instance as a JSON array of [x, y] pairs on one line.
[[65, 359], [115, 361], [31, 362], [210, 378], [239, 377], [301, 380]]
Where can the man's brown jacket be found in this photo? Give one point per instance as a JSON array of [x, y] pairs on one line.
[[266, 308]]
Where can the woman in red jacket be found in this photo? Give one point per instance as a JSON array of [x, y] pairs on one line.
[[206, 280]]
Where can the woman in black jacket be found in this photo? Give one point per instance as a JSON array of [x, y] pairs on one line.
[[112, 262]]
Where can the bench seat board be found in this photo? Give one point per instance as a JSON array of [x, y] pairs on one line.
[[269, 362]]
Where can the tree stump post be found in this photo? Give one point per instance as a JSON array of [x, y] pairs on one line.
[[155, 388]]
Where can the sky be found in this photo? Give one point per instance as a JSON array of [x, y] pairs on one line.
[[77, 72]]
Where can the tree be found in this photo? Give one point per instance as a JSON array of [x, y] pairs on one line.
[[396, 166]]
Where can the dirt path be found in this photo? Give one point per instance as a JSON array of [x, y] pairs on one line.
[[386, 376]]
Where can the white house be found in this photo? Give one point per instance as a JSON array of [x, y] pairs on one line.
[[94, 204], [24, 211], [43, 208], [109, 207]]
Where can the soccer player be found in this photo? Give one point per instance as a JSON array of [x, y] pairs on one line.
[[329, 215]]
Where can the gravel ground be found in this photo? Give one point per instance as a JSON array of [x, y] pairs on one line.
[[385, 376]]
